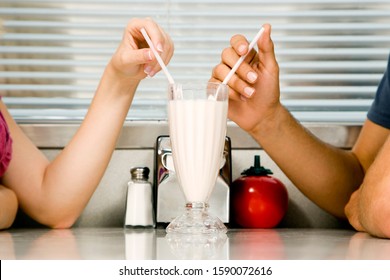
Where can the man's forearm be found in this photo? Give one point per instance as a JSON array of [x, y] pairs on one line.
[[325, 174], [374, 207]]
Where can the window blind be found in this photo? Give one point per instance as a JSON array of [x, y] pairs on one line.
[[332, 54]]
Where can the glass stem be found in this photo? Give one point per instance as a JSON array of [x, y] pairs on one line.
[[197, 205]]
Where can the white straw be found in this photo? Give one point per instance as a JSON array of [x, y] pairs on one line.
[[159, 60], [241, 59]]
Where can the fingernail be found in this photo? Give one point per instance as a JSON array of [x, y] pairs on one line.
[[251, 76], [147, 70], [249, 91], [148, 55], [159, 47], [241, 49]]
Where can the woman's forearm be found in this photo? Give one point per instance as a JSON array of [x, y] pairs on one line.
[[8, 207], [80, 166], [55, 193]]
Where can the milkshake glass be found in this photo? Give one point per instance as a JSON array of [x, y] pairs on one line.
[[197, 125]]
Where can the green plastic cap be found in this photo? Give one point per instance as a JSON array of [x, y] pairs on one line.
[[257, 169]]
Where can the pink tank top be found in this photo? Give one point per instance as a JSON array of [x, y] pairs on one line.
[[5, 145]]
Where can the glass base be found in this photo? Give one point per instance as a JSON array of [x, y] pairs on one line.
[[197, 246], [195, 220]]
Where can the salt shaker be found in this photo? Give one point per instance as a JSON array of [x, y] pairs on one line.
[[139, 205]]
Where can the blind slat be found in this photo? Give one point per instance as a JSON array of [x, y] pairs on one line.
[[239, 25], [18, 75], [358, 52], [207, 1], [221, 12]]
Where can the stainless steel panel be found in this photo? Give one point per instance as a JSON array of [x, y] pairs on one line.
[[143, 134], [170, 201]]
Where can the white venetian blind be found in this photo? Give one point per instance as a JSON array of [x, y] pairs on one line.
[[332, 53]]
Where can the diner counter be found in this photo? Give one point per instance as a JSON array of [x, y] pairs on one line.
[[237, 244]]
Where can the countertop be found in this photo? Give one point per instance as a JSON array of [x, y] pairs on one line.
[[155, 244]]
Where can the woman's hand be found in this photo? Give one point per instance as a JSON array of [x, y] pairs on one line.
[[133, 58]]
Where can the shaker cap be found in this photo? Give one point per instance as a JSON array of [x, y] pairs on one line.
[[139, 173]]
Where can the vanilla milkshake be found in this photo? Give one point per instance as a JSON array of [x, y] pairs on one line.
[[197, 126], [197, 131]]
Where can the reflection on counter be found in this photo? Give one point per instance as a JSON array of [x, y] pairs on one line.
[[255, 245], [39, 244], [198, 246], [149, 243], [140, 244]]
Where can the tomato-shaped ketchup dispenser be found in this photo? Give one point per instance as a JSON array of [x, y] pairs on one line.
[[257, 200]]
